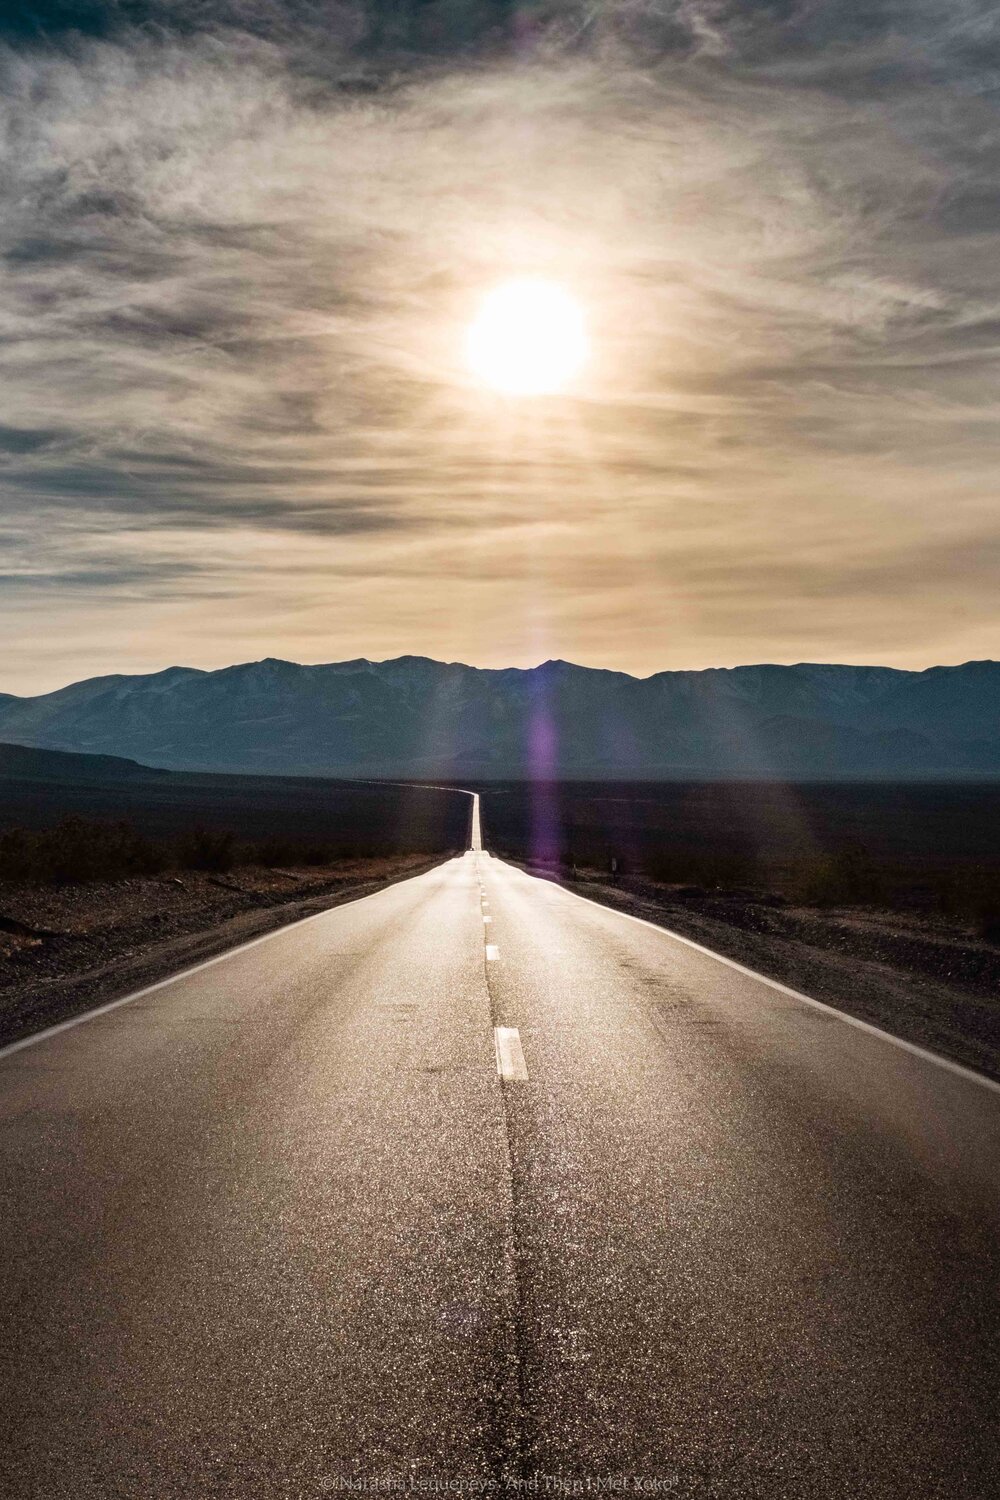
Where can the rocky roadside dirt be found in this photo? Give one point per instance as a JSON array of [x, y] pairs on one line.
[[66, 949], [921, 977]]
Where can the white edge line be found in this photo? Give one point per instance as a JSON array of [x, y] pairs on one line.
[[784, 989], [207, 963]]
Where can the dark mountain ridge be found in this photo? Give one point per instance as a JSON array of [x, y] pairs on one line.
[[24, 763], [415, 717]]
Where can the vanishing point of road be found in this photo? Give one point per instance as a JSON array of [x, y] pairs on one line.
[[475, 1187]]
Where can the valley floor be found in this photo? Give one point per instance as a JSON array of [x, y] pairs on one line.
[[64, 949], [923, 978]]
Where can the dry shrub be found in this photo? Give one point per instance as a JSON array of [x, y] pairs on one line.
[[76, 850]]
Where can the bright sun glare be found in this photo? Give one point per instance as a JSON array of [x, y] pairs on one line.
[[527, 339]]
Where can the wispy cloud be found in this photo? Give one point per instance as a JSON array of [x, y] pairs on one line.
[[239, 245]]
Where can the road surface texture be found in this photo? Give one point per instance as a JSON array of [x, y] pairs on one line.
[[474, 1187]]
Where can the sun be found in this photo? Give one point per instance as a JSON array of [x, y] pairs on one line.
[[528, 338]]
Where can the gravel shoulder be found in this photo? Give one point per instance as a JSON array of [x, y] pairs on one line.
[[66, 949], [923, 978]]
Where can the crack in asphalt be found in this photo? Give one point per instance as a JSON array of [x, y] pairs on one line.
[[509, 1457]]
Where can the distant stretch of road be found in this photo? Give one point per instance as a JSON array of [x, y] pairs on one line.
[[473, 1186]]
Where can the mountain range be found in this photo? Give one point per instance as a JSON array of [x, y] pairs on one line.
[[414, 717]]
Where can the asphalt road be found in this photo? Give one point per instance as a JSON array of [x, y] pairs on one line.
[[280, 1228]]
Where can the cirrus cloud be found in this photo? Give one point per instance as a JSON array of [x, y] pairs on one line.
[[238, 248]]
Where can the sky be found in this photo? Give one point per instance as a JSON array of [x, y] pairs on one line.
[[241, 245]]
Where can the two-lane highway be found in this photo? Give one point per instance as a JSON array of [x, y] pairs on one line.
[[474, 1183]]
